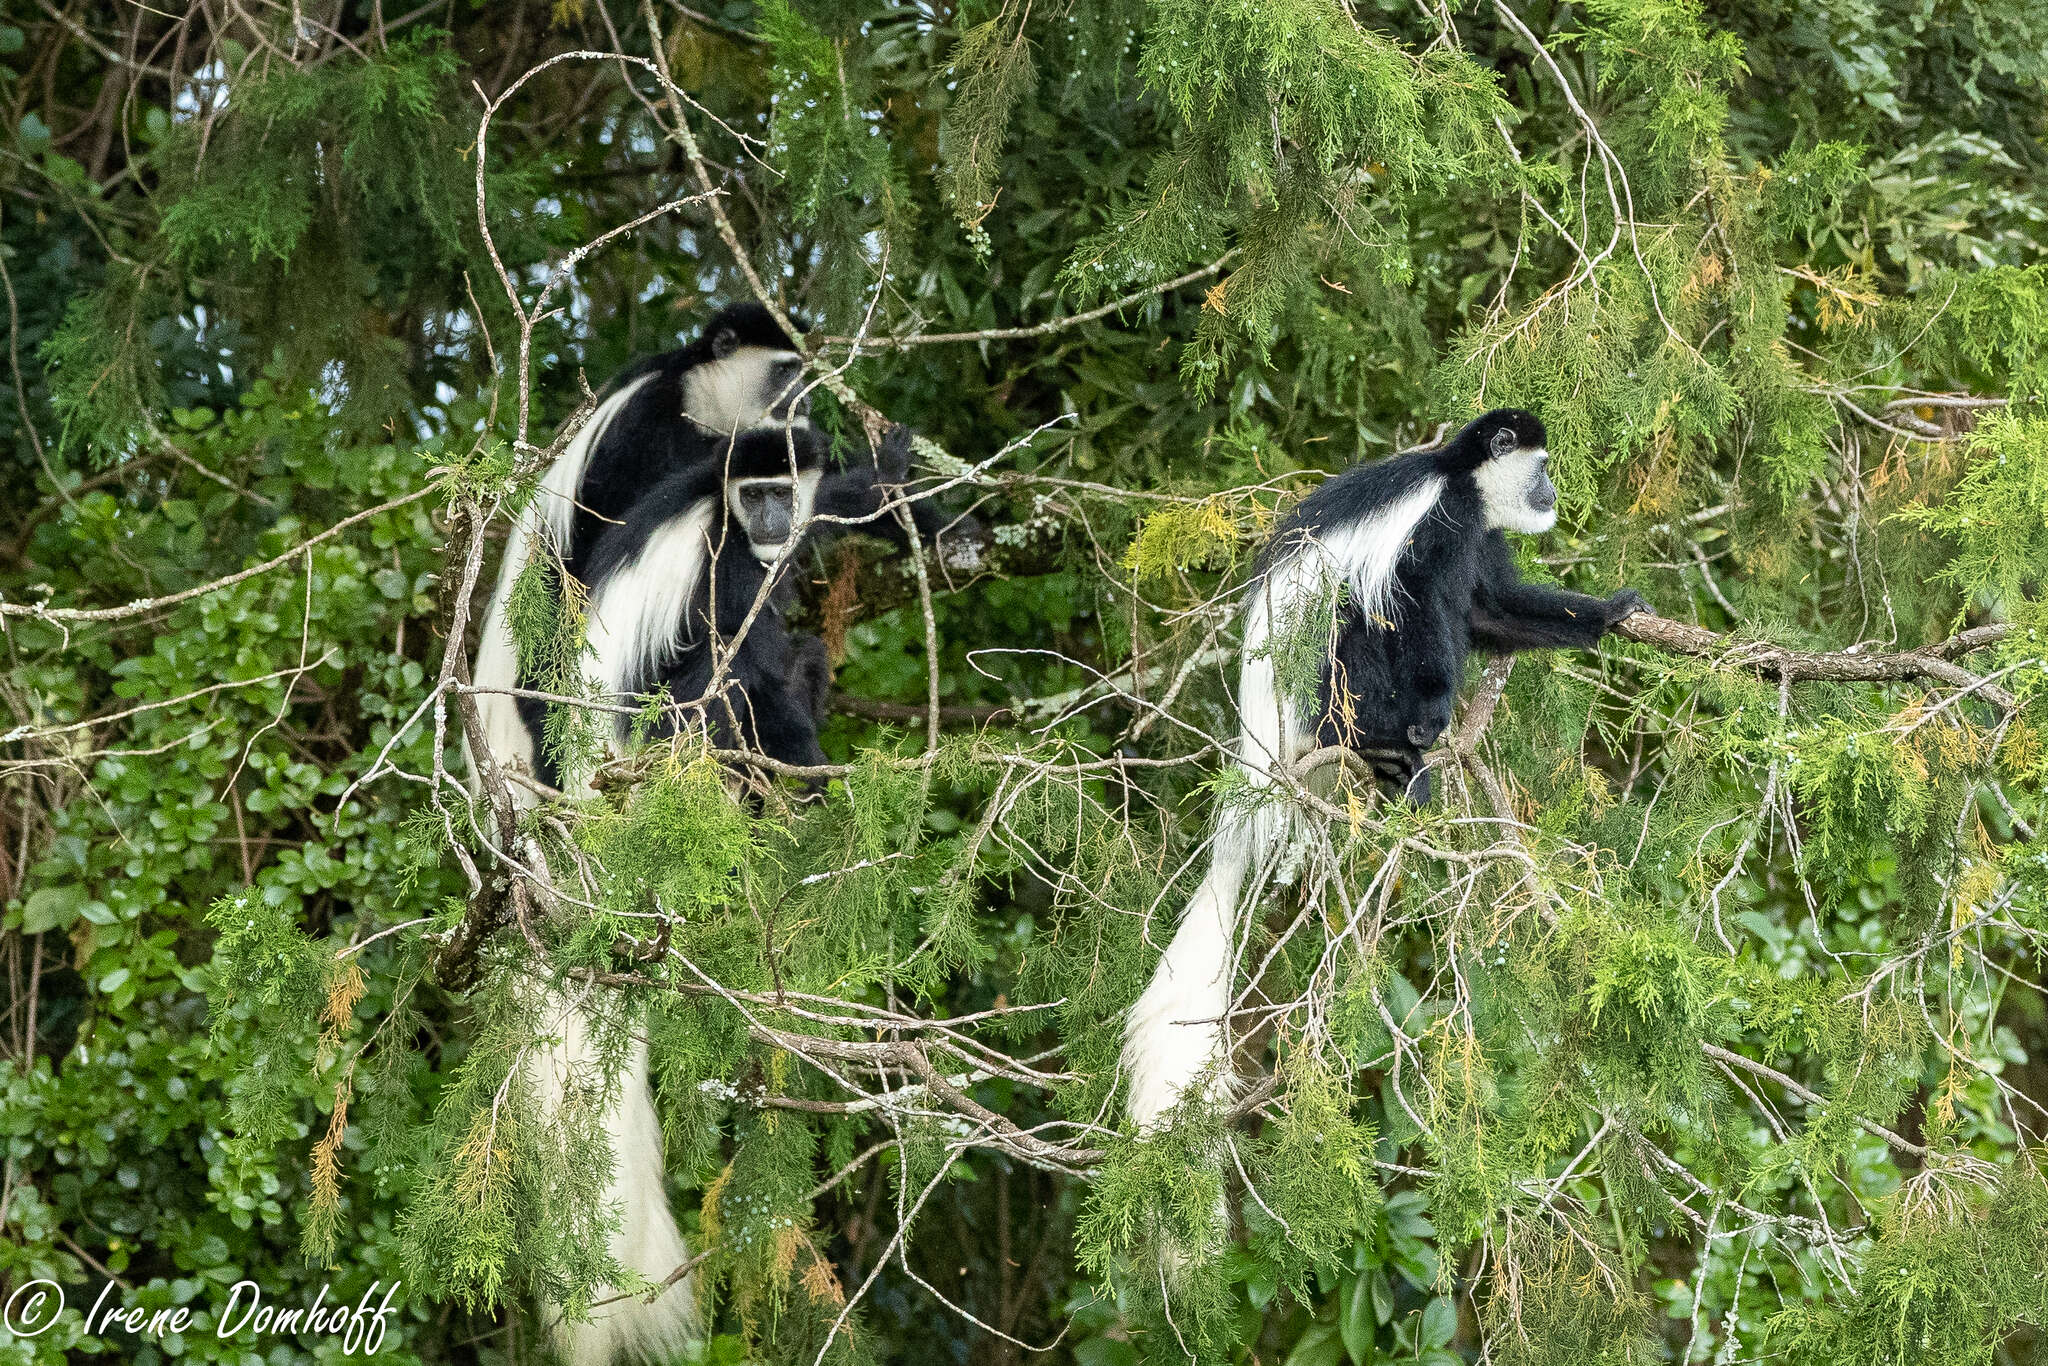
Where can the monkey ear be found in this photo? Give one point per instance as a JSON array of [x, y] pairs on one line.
[[724, 342], [1503, 441]]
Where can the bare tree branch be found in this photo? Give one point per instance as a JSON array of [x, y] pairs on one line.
[[145, 605], [1836, 666], [1044, 329]]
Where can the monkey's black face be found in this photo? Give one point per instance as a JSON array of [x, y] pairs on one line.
[[767, 509], [770, 510], [790, 396], [1542, 493]]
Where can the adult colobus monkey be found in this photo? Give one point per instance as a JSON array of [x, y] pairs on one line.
[[678, 578], [669, 412], [663, 414], [1415, 544], [676, 589]]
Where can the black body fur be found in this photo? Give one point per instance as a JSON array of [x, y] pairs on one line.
[[1387, 693], [651, 438], [777, 682]]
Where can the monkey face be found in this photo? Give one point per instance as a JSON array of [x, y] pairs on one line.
[[770, 510], [1514, 483]]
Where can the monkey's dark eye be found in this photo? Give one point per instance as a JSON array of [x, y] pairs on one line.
[[786, 383]]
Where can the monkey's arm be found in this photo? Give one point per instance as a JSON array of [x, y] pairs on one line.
[[1428, 647], [1509, 614], [862, 490], [1429, 668]]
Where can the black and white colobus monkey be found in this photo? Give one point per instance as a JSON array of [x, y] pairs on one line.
[[663, 414], [1417, 545], [670, 412], [685, 571], [682, 572]]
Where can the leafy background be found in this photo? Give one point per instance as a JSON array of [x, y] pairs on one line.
[[1771, 272]]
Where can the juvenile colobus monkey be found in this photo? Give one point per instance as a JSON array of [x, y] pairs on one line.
[[1416, 545], [670, 412], [680, 579], [663, 414]]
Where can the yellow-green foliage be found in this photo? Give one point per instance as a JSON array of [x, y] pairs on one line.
[[280, 978], [681, 842], [1165, 1193], [759, 1213], [1313, 1172], [1555, 1305], [838, 177], [510, 1203], [1285, 106], [994, 65], [545, 613], [1858, 784], [1203, 535], [1650, 995], [1958, 1266]]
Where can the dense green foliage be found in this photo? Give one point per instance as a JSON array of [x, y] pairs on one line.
[[1699, 1020]]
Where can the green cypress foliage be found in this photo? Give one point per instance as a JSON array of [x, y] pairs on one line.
[[1700, 1018]]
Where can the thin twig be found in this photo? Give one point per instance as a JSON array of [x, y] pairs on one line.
[[1044, 329]]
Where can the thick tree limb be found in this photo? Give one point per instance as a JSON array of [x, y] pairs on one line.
[[1834, 666], [142, 605]]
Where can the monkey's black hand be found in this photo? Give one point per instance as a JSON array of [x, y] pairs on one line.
[[1626, 604], [1402, 774], [1392, 769], [1430, 710], [892, 460]]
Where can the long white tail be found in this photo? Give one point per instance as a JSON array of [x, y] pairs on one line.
[[1175, 1033], [647, 1239], [497, 666]]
